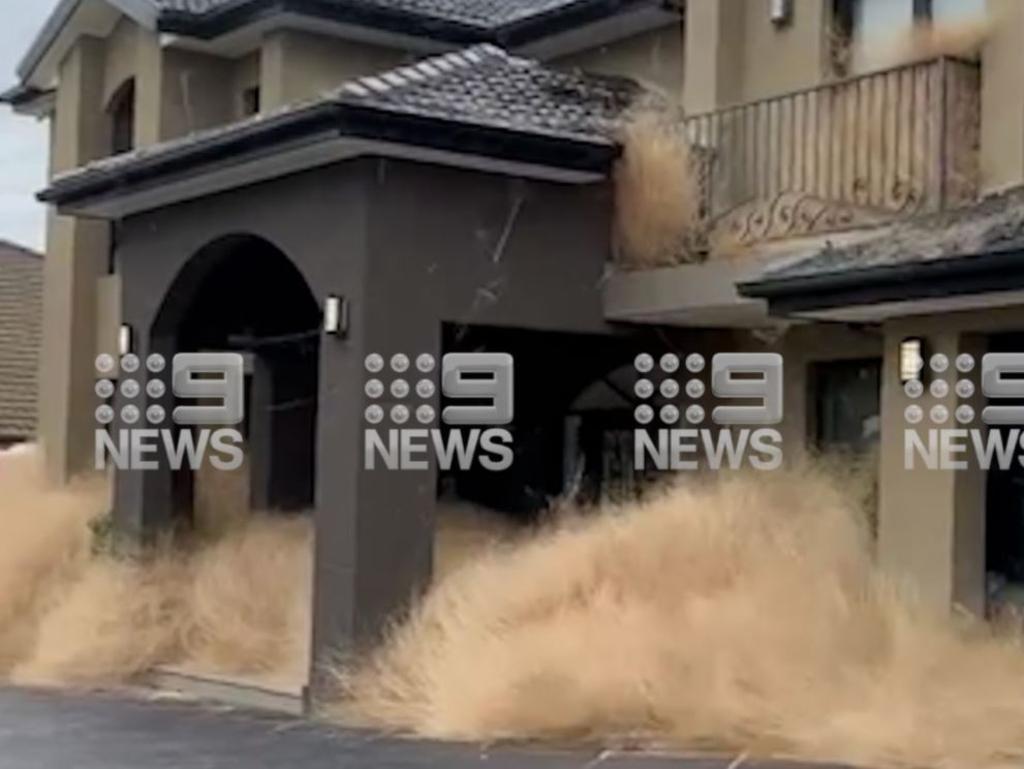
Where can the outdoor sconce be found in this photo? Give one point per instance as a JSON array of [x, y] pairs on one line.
[[124, 339], [336, 316], [911, 359], [781, 11]]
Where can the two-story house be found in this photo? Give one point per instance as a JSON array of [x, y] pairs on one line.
[[315, 182]]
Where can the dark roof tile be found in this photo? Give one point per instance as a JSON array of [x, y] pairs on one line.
[[485, 15], [481, 87], [994, 224]]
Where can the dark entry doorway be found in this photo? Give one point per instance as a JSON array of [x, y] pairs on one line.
[[242, 294], [1004, 510]]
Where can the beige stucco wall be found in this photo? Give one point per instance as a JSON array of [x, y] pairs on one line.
[[196, 93], [783, 58], [120, 57], [654, 58], [734, 53], [931, 523], [299, 65], [176, 92], [1002, 98], [76, 256]]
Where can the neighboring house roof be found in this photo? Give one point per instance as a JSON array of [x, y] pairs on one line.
[[480, 102], [21, 317], [967, 250]]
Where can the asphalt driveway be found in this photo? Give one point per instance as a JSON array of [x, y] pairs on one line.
[[56, 730]]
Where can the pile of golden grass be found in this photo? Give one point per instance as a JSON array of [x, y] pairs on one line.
[[739, 614], [657, 194], [234, 601], [71, 613]]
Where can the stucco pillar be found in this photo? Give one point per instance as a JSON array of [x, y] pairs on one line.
[[931, 533], [77, 253], [714, 54], [1002, 98], [297, 65], [374, 528], [144, 500]]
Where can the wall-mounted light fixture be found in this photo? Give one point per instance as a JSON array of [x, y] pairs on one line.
[[781, 11], [911, 359], [336, 316], [125, 339]]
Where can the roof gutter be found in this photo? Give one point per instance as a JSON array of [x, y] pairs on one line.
[[342, 120], [26, 100], [955, 276], [79, 185]]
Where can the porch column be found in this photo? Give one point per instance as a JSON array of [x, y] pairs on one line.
[[374, 528], [144, 500], [1002, 100], [76, 256], [714, 54], [931, 522]]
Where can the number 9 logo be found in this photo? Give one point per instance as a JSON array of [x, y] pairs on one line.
[[478, 376], [765, 385], [228, 388]]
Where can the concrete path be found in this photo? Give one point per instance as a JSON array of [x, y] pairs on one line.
[[53, 730]]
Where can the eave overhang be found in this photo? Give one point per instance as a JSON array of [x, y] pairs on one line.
[[908, 288], [450, 32], [315, 135]]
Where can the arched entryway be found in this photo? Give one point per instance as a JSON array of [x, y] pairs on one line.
[[240, 293]]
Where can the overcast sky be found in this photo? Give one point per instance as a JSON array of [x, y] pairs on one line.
[[23, 140]]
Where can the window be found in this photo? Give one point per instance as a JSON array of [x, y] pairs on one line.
[[251, 101], [841, 38], [121, 111], [847, 404], [121, 114]]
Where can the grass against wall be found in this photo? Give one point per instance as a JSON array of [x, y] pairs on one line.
[[657, 194], [740, 614]]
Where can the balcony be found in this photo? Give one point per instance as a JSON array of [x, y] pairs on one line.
[[848, 154]]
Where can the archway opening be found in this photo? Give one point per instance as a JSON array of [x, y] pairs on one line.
[[242, 294]]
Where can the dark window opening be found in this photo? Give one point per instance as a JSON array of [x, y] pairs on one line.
[[847, 404], [844, 13], [1004, 510], [121, 112], [251, 101], [922, 10], [122, 119]]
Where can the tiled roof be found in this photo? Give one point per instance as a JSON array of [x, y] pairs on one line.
[[21, 316], [567, 119], [481, 14], [485, 86], [994, 224]]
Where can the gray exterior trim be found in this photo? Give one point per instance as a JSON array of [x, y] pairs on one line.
[[960, 276]]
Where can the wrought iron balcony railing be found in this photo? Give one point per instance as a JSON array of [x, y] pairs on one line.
[[851, 153]]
